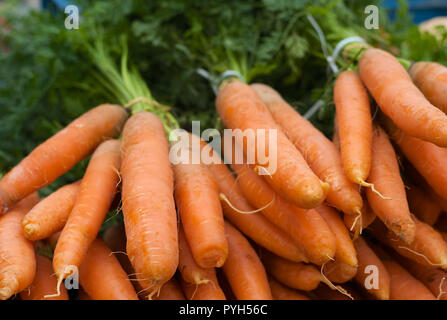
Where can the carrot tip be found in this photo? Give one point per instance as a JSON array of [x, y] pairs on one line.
[[29, 230], [5, 293], [58, 287], [332, 286], [370, 185]]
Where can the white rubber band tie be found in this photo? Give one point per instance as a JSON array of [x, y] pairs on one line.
[[215, 81]]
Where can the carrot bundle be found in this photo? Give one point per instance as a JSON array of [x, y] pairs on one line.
[[319, 152], [51, 213], [400, 99], [17, 257], [240, 107], [431, 79], [148, 202], [60, 153], [96, 193]]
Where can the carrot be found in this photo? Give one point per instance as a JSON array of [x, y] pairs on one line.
[[44, 282], [323, 292], [339, 272], [102, 277], [50, 214], [281, 292], [354, 126], [60, 153], [204, 291], [422, 205], [17, 257], [397, 96], [171, 290], [148, 202], [240, 107], [428, 247], [197, 199], [345, 251], [431, 79], [385, 175], [253, 225], [244, 269], [295, 275], [319, 152], [403, 286], [434, 279], [306, 227], [364, 277], [189, 270], [426, 157], [96, 192], [356, 224]]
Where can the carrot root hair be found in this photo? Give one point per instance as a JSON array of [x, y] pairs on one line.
[[58, 288], [331, 285], [371, 185], [424, 257], [224, 198], [441, 292]]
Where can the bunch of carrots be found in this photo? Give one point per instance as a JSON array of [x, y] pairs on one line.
[[355, 217]]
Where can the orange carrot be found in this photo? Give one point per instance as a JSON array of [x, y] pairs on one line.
[[50, 214], [254, 225], [102, 277], [96, 192], [434, 279], [189, 270], [240, 107], [295, 275], [397, 96], [44, 282], [60, 153], [356, 224], [426, 157], [17, 257], [354, 126], [431, 79], [369, 262], [385, 175], [171, 290], [339, 272], [306, 227], [197, 199], [428, 247], [244, 269], [318, 151], [422, 205], [205, 291], [403, 286], [281, 292], [148, 202], [345, 251]]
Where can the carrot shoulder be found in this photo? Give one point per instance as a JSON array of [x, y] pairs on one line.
[[244, 269], [318, 151], [102, 277], [148, 202], [17, 257], [354, 125], [96, 193], [60, 153], [385, 175], [431, 79], [51, 213], [240, 107], [397, 96]]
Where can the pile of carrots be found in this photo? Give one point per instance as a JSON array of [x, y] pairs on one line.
[[355, 217]]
